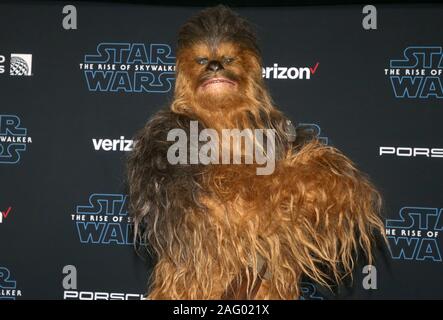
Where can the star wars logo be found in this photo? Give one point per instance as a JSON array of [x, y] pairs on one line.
[[8, 286], [13, 139], [313, 130], [104, 220], [418, 74], [309, 292], [415, 235], [129, 67]]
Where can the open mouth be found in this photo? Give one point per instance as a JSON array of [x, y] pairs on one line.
[[217, 81]]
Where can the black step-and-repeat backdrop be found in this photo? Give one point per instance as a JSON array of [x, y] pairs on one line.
[[70, 101]]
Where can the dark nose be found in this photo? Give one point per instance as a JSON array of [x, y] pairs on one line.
[[214, 65]]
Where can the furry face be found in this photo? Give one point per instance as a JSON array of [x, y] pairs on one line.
[[218, 71], [218, 65]]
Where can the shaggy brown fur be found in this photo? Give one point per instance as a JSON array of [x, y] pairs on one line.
[[210, 226]]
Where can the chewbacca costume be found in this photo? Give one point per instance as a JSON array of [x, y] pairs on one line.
[[220, 231]]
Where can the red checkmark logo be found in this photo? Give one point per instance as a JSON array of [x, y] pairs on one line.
[[315, 68], [5, 214]]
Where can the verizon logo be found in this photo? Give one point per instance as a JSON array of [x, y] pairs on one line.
[[4, 214], [291, 73], [113, 144]]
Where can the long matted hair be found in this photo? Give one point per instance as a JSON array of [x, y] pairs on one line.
[[207, 225]]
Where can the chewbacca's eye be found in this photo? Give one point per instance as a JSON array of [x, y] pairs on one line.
[[202, 61], [227, 60]]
